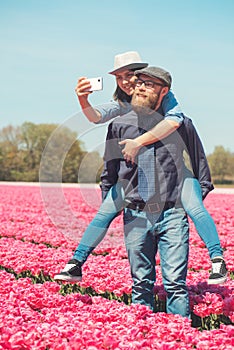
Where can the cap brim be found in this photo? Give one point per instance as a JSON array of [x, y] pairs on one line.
[[129, 66]]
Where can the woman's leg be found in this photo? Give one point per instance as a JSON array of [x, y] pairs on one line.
[[96, 230], [191, 198], [93, 235]]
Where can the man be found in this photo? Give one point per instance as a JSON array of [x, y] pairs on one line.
[[157, 222]]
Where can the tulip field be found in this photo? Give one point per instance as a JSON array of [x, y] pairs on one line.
[[40, 227]]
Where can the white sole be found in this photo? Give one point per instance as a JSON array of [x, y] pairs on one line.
[[217, 281], [67, 278]]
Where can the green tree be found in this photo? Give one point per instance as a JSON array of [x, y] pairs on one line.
[[10, 155], [61, 156], [221, 164], [33, 140], [90, 168], [72, 162], [44, 152]]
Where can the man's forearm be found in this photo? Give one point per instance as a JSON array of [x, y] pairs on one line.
[[159, 132]]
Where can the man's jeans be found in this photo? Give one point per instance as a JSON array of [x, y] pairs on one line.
[[191, 198], [168, 232]]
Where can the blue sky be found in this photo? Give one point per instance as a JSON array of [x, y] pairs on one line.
[[47, 45]]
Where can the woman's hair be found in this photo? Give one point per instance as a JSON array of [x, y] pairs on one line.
[[121, 96]]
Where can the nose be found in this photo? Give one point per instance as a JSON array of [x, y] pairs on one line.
[[125, 81], [140, 85]]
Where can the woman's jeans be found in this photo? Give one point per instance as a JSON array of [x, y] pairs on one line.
[[191, 198], [96, 230], [168, 232]]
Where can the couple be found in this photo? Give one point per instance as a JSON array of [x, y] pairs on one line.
[[154, 211]]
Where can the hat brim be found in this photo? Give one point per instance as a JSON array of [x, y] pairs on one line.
[[139, 65]]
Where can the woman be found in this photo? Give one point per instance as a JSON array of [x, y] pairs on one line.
[[193, 191]]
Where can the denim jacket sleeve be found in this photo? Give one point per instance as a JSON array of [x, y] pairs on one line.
[[198, 158], [112, 110], [171, 108]]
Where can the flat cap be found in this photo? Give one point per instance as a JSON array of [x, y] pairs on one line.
[[156, 72]]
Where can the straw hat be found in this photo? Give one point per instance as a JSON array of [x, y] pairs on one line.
[[128, 60]]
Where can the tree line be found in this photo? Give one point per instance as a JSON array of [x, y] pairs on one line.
[[48, 152], [221, 163]]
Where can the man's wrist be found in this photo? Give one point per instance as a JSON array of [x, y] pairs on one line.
[[138, 142]]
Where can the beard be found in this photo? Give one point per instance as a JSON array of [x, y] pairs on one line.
[[144, 103]]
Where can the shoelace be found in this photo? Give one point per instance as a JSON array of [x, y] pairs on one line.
[[216, 267], [68, 267]]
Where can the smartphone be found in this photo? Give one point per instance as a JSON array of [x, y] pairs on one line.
[[96, 84]]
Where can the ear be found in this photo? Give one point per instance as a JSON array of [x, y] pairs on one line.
[[164, 91]]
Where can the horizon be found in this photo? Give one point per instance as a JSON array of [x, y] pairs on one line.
[[46, 46]]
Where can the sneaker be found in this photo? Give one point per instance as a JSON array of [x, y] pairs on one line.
[[219, 271], [72, 272]]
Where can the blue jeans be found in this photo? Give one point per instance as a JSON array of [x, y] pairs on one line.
[[192, 202], [191, 198], [145, 234], [96, 230]]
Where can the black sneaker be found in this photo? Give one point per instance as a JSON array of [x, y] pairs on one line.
[[72, 272], [219, 271]]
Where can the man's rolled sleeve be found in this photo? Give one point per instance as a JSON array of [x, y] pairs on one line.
[[171, 108]]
